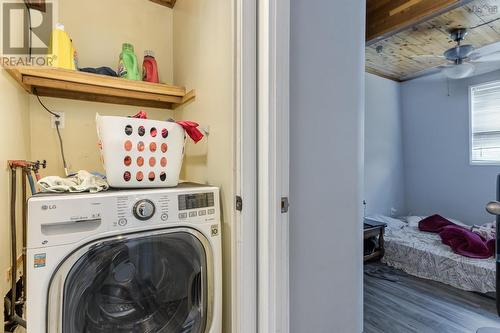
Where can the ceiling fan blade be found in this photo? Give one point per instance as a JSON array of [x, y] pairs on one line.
[[486, 67], [430, 56], [425, 72], [487, 58], [485, 51]]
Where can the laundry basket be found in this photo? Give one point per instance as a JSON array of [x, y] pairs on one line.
[[140, 153]]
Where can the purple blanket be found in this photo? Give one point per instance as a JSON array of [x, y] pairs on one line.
[[460, 239]]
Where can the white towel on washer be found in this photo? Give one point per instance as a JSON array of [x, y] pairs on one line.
[[83, 181]]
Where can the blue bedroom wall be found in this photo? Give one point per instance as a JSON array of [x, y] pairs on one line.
[[384, 181], [438, 175]]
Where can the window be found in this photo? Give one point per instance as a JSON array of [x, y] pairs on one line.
[[485, 123]]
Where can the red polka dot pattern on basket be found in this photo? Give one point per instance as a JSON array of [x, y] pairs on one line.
[[127, 176], [163, 176], [128, 145], [140, 152], [152, 147]]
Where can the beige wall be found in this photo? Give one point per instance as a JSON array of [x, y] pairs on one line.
[[14, 144], [203, 59], [193, 46], [98, 29]]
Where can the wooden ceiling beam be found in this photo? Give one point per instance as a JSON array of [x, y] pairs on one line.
[[168, 3], [385, 18]]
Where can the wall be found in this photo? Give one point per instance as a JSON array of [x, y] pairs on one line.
[[14, 138], [203, 59], [203, 43], [384, 181], [439, 178], [326, 165], [14, 144], [98, 41]]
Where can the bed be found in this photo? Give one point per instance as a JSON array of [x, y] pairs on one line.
[[422, 254]]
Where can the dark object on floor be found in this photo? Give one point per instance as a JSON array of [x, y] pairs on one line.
[[373, 232], [100, 70], [370, 245], [395, 302], [461, 240]]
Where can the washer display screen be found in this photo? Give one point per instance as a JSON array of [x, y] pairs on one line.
[[195, 201]]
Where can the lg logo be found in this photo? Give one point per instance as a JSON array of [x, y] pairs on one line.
[[49, 207]]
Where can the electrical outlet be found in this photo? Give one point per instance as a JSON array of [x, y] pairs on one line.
[[61, 120]]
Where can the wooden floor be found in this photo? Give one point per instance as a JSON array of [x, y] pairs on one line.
[[395, 302]]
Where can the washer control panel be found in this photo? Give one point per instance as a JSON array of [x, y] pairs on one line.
[[136, 208], [144, 209]]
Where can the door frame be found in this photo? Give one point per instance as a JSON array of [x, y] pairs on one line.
[[273, 165], [260, 253], [244, 231]]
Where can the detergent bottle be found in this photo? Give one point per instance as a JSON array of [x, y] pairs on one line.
[[150, 68], [128, 67], [61, 51]]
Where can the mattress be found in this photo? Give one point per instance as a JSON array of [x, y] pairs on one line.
[[422, 254]]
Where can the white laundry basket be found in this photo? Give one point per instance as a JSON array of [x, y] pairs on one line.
[[140, 153]]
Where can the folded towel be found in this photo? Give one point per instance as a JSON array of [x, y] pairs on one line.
[[83, 181]]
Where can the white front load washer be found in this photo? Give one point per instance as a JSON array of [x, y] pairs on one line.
[[125, 261]]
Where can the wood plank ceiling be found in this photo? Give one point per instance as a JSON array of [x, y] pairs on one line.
[[401, 55]]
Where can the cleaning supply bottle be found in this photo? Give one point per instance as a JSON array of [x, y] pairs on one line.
[[128, 67], [61, 51], [150, 68]]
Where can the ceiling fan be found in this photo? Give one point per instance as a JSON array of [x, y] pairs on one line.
[[463, 58]]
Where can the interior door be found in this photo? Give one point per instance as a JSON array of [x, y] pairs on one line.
[[150, 283]]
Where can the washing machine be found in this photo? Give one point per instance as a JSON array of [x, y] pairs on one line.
[[140, 261]]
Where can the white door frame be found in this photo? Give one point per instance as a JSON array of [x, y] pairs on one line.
[[260, 287], [273, 165], [244, 251]]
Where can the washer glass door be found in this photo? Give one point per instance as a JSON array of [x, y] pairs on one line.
[[147, 284]]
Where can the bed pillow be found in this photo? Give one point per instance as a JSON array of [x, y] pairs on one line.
[[414, 220]]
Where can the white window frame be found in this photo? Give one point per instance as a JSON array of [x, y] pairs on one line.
[[471, 123]]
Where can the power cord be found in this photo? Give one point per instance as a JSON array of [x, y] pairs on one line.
[[57, 123]]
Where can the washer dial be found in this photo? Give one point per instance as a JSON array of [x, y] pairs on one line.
[[144, 209]]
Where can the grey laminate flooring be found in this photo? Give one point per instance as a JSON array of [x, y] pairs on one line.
[[395, 302]]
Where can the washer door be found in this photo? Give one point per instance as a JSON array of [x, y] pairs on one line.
[[138, 283]]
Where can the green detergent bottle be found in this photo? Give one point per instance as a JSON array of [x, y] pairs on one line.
[[128, 67]]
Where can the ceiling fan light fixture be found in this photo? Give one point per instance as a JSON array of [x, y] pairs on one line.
[[458, 71]]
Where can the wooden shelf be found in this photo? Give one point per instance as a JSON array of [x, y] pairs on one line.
[[168, 3], [62, 83]]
